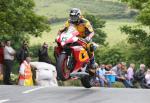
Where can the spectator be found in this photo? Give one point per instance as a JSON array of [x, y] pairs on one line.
[[139, 75], [120, 72], [1, 59], [108, 67], [25, 73], [43, 54], [147, 79], [117, 69], [9, 54], [130, 73], [23, 53], [101, 76]]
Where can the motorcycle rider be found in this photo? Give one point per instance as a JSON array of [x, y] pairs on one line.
[[85, 30]]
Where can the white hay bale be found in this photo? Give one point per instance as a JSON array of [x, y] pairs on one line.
[[45, 74]]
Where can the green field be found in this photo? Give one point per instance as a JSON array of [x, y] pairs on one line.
[[112, 29], [105, 8], [48, 37], [60, 8]]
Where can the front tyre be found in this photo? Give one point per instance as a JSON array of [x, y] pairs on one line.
[[63, 72]]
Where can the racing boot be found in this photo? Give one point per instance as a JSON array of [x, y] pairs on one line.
[[93, 67]]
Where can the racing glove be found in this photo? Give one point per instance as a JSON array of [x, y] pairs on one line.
[[87, 39]]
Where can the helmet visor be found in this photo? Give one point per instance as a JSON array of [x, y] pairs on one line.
[[74, 18]]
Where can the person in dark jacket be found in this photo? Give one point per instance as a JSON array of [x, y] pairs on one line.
[[139, 75], [23, 52], [43, 54]]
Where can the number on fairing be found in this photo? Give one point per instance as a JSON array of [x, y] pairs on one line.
[[68, 35], [64, 39]]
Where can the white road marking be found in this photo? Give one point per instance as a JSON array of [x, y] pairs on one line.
[[4, 100], [35, 89]]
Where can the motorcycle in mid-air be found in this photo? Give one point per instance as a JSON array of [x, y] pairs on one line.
[[72, 59]]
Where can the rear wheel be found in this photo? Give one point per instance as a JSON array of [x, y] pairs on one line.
[[63, 72], [86, 81]]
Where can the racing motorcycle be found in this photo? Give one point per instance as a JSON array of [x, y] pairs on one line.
[[72, 59]]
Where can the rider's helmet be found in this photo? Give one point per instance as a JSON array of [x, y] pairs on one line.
[[75, 14]]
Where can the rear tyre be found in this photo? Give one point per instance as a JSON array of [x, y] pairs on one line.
[[86, 81]]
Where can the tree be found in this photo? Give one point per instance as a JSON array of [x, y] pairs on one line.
[[109, 55], [137, 4], [99, 37], [98, 24], [18, 20], [137, 35], [144, 10]]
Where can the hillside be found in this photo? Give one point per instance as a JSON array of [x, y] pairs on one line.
[[103, 8], [115, 13]]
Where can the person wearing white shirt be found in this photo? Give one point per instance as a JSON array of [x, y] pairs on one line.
[[9, 54], [101, 76], [147, 77]]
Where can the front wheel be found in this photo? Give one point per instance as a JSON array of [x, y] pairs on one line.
[[85, 80], [63, 72]]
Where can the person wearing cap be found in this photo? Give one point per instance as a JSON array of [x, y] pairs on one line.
[[84, 28]]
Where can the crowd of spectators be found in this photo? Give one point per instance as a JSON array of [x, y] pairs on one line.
[[8, 54], [128, 75]]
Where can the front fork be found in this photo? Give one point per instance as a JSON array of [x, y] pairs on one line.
[[70, 62]]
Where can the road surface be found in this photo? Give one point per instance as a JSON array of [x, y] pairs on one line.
[[20, 94]]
